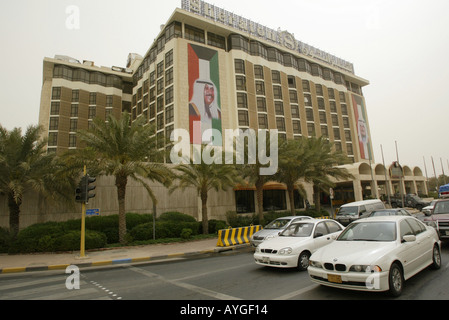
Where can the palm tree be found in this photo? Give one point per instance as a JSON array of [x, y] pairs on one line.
[[205, 177], [294, 166], [26, 166], [116, 147], [325, 163]]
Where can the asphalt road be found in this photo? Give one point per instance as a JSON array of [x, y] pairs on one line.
[[226, 276]]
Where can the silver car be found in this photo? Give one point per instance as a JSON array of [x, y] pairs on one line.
[[273, 229]]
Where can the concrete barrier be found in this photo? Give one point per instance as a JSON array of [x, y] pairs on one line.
[[235, 236]]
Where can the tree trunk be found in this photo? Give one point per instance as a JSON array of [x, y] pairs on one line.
[[120, 183], [259, 196], [14, 215], [317, 198], [291, 198], [205, 221]]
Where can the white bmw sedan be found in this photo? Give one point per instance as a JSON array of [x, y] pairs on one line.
[[377, 254], [296, 244]]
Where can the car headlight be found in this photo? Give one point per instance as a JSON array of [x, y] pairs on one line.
[[365, 268], [285, 251], [315, 264]]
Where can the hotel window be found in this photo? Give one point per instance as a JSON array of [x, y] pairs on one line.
[[349, 149], [240, 82], [160, 86], [308, 100], [54, 109], [279, 108], [160, 69], [160, 121], [169, 77], [146, 86], [74, 110], [92, 98], [53, 139], [54, 124], [239, 66], [169, 96], [243, 118], [333, 106], [348, 135], [75, 95], [194, 34], [56, 93], [216, 41], [335, 120], [328, 75], [161, 44], [293, 96], [239, 42], [107, 113], [316, 70], [296, 127], [321, 104], [263, 121], [261, 104], [280, 123], [72, 141], [152, 78], [275, 55], [319, 90], [331, 93], [342, 96], [73, 125], [152, 111], [337, 134], [344, 110], [169, 114], [309, 114], [338, 146], [260, 87], [305, 86], [109, 100], [338, 78], [174, 30], [346, 123], [304, 65], [291, 82], [276, 77], [139, 94], [295, 111], [258, 49], [258, 72], [323, 118], [277, 92], [311, 129], [242, 100], [92, 112], [324, 131], [160, 104], [169, 59]]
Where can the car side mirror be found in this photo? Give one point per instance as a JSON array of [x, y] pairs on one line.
[[409, 238]]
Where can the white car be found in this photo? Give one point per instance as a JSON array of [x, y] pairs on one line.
[[273, 229], [377, 254], [293, 247]]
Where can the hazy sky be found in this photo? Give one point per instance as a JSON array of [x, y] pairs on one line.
[[400, 46]]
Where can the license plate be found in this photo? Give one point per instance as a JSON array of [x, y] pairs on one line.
[[334, 278], [266, 260]]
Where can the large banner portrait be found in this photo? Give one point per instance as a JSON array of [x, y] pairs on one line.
[[204, 96], [362, 127]]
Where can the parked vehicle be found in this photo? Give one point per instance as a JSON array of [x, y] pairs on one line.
[[296, 244], [428, 210], [355, 210], [377, 254], [273, 229], [410, 201], [444, 191], [389, 212], [440, 218]]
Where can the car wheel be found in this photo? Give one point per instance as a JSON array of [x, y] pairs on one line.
[[396, 280], [303, 261], [436, 257]]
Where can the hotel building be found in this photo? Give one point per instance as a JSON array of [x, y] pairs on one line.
[[260, 78]]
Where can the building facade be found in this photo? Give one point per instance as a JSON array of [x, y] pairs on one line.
[[211, 69]]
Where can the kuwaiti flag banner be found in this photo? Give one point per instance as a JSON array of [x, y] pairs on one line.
[[204, 96]]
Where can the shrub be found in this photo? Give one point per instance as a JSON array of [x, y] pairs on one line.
[[71, 241], [186, 233], [176, 216], [164, 229]]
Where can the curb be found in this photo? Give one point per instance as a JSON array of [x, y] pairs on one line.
[[117, 262]]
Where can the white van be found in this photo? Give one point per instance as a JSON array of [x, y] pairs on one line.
[[355, 210]]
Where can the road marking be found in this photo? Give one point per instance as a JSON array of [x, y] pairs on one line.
[[214, 271], [204, 291], [297, 292]]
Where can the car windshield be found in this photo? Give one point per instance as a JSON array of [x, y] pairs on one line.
[[441, 207], [347, 211], [277, 224], [369, 231], [298, 230]]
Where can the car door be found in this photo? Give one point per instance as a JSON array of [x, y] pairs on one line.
[[407, 253], [321, 236], [424, 240]]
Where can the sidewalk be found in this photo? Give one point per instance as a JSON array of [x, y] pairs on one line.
[[45, 262]]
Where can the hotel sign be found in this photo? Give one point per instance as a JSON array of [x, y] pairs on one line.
[[279, 37]]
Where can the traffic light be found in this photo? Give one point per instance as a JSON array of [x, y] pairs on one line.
[[82, 193], [89, 187]]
